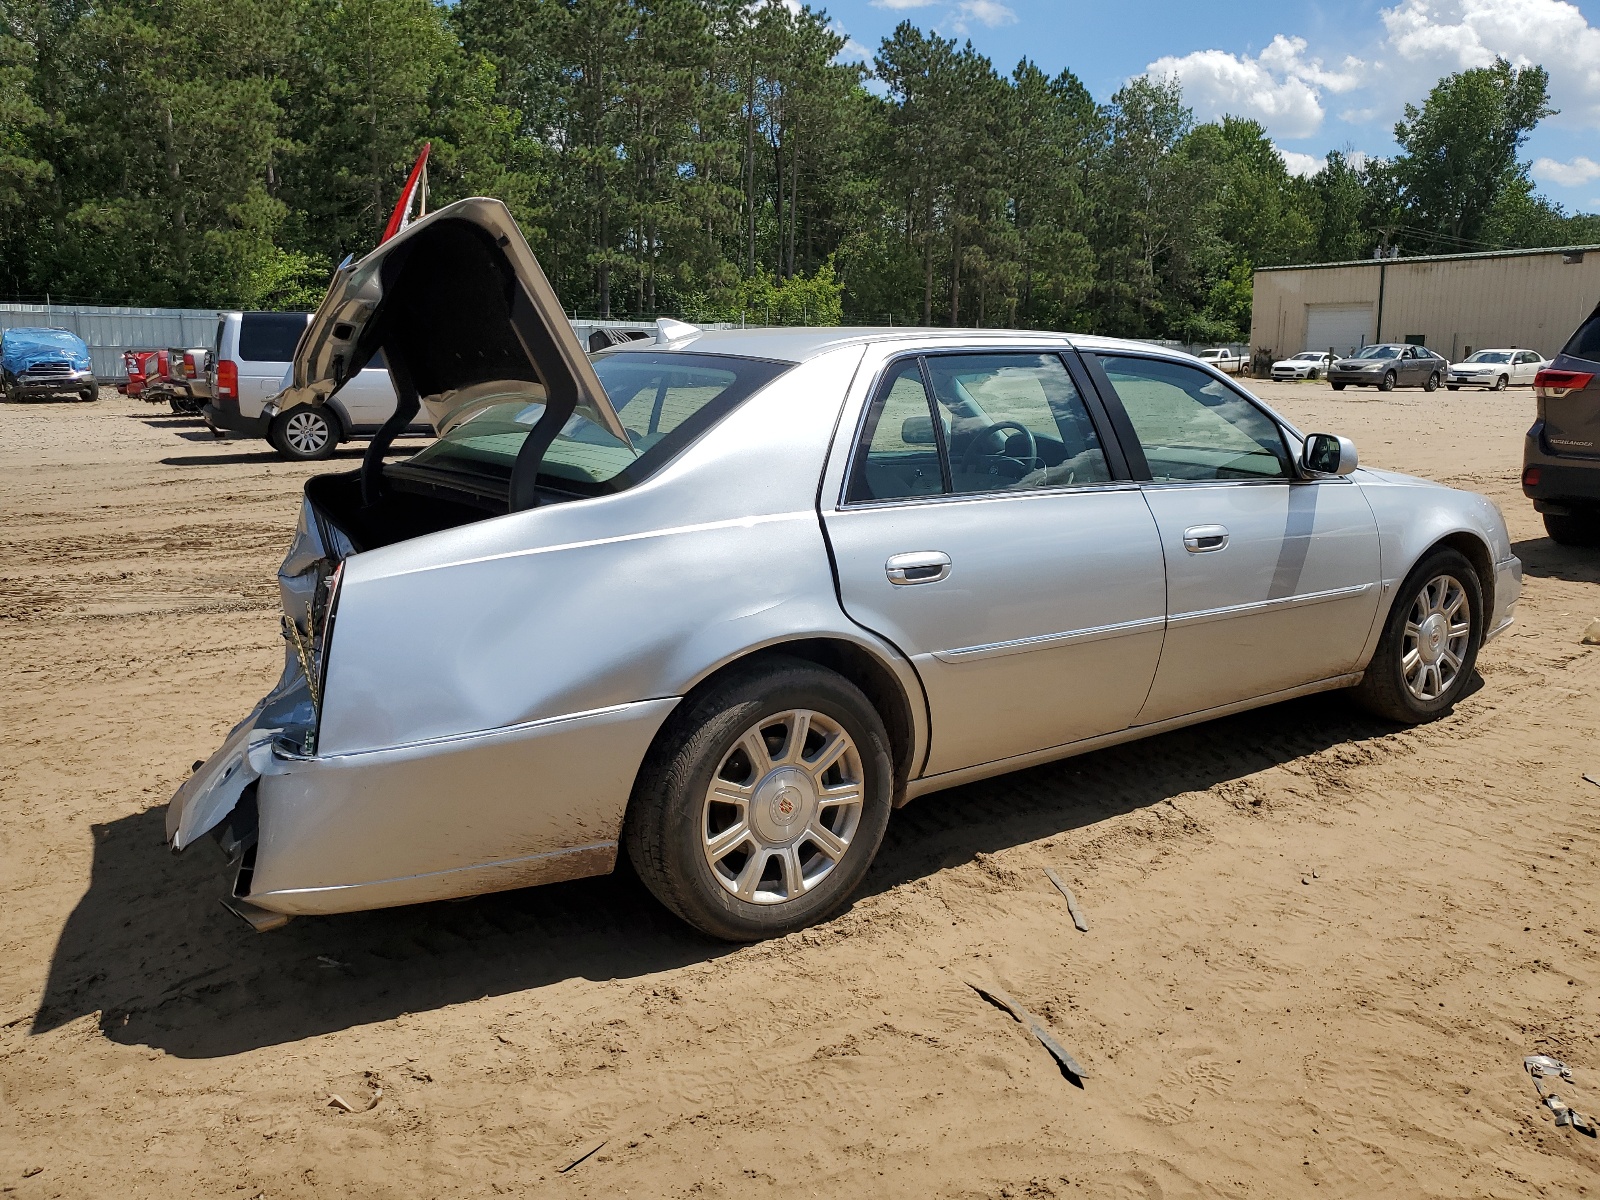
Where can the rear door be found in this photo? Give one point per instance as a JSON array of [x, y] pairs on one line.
[[266, 347], [369, 397], [989, 530], [1272, 581], [1526, 366]]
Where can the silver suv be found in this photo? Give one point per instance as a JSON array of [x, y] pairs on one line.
[[252, 354]]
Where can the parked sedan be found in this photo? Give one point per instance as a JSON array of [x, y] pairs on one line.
[[1309, 364], [1389, 365], [723, 600], [1496, 369]]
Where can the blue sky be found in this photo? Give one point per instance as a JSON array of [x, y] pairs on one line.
[[1319, 77]]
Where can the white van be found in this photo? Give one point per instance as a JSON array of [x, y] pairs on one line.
[[253, 353]]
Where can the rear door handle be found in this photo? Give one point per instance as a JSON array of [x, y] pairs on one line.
[[1205, 539], [919, 566]]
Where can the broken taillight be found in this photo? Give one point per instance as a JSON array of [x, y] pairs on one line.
[[1552, 385]]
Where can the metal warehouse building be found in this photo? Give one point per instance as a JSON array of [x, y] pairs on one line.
[[1451, 303]]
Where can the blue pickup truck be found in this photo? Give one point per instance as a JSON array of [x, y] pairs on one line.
[[45, 362]]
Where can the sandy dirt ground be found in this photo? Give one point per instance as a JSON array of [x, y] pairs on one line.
[[1319, 947]]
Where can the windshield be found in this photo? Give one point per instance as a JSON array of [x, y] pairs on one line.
[[1495, 356], [1378, 352], [1308, 356], [664, 401]]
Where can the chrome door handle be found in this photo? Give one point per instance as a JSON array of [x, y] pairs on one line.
[[1205, 539], [919, 566]]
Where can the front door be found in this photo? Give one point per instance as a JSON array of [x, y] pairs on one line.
[[1272, 581], [984, 533]]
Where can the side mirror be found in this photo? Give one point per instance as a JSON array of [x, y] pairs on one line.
[[1328, 454], [918, 431]]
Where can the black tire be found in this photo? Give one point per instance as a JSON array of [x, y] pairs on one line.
[[669, 813], [1573, 529], [1315, 374], [1501, 383], [1383, 689], [1338, 387], [294, 434], [1433, 383], [1389, 380], [88, 395], [1451, 387]]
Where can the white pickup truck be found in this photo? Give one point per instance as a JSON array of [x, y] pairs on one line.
[[1225, 360]]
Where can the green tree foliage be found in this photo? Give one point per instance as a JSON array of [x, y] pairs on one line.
[[1460, 152], [705, 158]]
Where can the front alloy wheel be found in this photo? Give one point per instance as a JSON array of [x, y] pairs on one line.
[[763, 800], [303, 434], [1430, 641], [1436, 635], [1388, 383]]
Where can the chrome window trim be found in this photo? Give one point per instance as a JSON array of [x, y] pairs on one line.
[[1111, 485], [845, 504], [1206, 615], [1097, 633]]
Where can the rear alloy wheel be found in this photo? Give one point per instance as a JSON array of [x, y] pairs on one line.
[[1388, 382], [1433, 383], [761, 806], [1315, 374], [1573, 529], [303, 434], [1429, 644], [1500, 383]]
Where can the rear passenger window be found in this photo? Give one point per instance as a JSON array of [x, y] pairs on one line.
[[898, 455], [1586, 342], [270, 337]]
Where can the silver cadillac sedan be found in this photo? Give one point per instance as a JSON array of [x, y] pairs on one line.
[[725, 599]]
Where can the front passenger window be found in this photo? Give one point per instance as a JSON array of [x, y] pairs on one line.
[[1192, 426]]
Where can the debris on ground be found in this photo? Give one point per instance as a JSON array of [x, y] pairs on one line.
[[1591, 635], [1002, 999], [1542, 1066], [1593, 778], [1072, 902], [580, 1158], [337, 1101]]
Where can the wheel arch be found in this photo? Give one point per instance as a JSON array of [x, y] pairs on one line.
[[867, 668], [1476, 551]]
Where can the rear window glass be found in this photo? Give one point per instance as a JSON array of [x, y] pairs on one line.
[[663, 400], [1586, 342], [270, 337]]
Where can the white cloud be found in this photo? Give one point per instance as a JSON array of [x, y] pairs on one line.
[[1451, 35], [1301, 164], [897, 5], [1281, 87], [853, 51], [1566, 174], [985, 12]]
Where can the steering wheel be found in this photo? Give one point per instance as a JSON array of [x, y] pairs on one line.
[[970, 454]]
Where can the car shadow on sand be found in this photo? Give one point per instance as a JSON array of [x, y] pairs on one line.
[[1546, 559], [151, 951]]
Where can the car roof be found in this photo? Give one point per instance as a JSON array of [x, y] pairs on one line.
[[798, 343]]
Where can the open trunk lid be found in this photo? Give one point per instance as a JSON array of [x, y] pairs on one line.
[[456, 299]]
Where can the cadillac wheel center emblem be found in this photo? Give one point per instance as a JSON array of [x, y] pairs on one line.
[[784, 808]]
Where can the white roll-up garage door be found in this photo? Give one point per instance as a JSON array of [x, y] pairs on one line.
[[1345, 327]]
